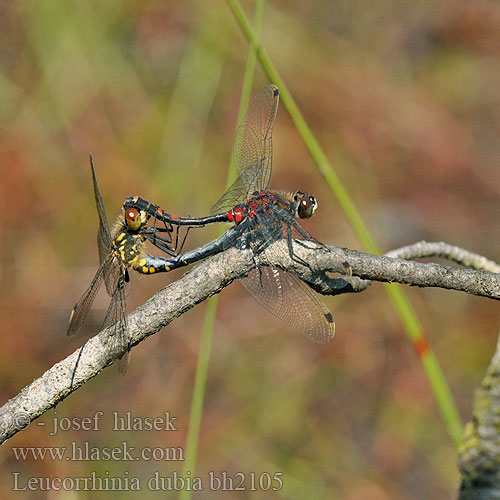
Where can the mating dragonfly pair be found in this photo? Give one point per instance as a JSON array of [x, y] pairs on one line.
[[260, 217]]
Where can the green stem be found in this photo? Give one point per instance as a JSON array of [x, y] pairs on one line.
[[200, 383], [211, 310], [407, 315]]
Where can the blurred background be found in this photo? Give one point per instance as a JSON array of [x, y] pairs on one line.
[[403, 96]]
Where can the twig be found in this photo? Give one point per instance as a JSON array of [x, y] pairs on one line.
[[211, 277], [443, 250], [64, 377], [322, 259]]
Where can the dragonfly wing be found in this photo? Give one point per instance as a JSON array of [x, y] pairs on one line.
[[290, 299], [232, 197], [81, 309], [116, 317], [104, 239], [253, 149], [112, 273]]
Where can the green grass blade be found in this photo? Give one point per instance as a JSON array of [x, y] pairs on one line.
[[210, 313], [406, 313], [191, 450]]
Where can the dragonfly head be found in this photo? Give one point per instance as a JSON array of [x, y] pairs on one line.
[[135, 219], [130, 201], [305, 204]]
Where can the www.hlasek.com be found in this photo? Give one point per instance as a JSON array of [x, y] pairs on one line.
[[85, 452], [221, 481]]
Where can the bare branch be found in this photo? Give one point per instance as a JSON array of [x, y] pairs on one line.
[[211, 277], [86, 362], [445, 251], [322, 258]]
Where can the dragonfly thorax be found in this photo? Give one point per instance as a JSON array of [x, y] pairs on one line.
[[128, 247], [128, 239], [258, 204]]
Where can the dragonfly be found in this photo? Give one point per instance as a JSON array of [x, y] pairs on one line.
[[260, 218], [122, 248]]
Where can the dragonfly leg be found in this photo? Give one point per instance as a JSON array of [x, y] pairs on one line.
[[290, 248], [167, 231], [257, 263], [183, 239], [163, 243], [307, 237]]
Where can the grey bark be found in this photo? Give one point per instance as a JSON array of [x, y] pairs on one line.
[[209, 278]]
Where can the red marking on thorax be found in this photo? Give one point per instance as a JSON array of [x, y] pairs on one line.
[[236, 215], [262, 199]]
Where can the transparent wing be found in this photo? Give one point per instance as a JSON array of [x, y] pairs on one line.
[[81, 309], [111, 276], [236, 194], [116, 317], [253, 149], [253, 144], [290, 299], [104, 239]]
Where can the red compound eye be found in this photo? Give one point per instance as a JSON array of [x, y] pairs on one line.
[[133, 219], [131, 214]]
